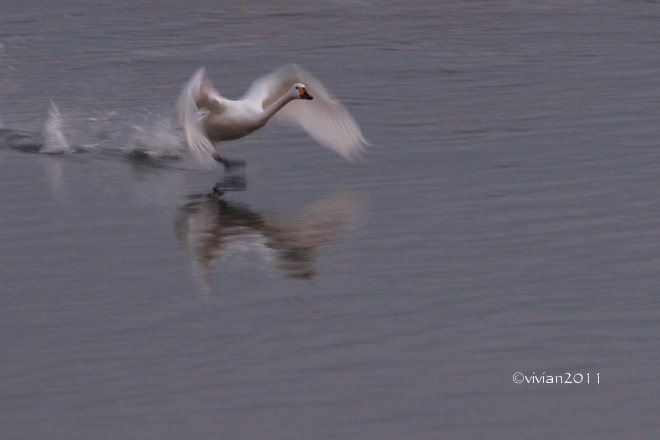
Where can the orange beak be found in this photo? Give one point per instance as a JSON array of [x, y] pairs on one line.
[[304, 94]]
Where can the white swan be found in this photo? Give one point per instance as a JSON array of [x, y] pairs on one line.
[[221, 119]]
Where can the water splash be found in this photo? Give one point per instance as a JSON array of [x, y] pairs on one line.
[[70, 132], [73, 132], [161, 140], [54, 140]]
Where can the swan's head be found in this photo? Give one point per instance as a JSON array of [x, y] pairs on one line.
[[300, 91]]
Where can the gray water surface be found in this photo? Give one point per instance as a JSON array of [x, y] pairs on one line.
[[506, 219]]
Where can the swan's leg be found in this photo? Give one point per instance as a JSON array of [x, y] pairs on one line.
[[229, 163], [232, 181]]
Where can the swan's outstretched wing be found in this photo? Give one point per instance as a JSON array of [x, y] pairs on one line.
[[198, 94], [324, 118]]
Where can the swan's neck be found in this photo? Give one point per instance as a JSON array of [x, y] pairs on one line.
[[275, 107]]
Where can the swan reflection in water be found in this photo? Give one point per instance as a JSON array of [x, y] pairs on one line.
[[214, 229]]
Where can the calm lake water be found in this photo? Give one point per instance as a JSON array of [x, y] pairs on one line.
[[506, 220]]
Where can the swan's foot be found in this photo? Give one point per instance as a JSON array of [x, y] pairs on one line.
[[230, 183], [229, 163], [234, 179]]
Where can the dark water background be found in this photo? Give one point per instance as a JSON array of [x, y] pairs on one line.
[[506, 220]]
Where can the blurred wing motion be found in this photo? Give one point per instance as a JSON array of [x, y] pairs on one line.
[[198, 94], [324, 118]]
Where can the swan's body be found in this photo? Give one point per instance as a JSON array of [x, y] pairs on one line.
[[283, 93]]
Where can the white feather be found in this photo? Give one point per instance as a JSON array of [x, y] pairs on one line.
[[323, 118]]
